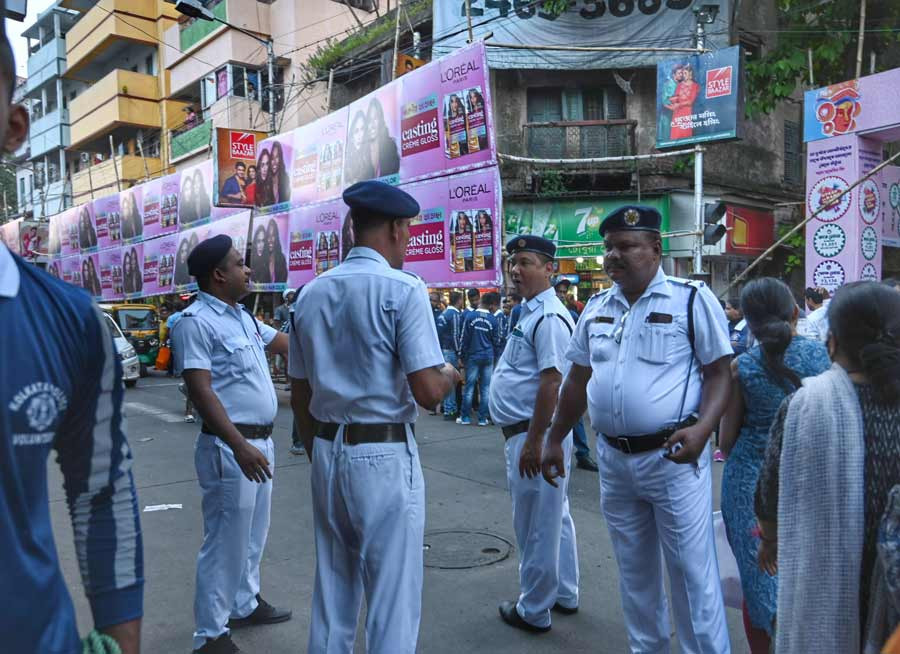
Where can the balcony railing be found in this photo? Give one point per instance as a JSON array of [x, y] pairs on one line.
[[580, 139], [187, 140], [194, 30]]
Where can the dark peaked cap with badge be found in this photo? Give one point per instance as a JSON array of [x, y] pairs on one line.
[[632, 219], [374, 200], [208, 254], [530, 243]]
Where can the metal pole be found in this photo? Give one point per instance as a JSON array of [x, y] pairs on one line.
[[270, 51], [861, 39], [698, 180], [90, 181], [330, 86], [397, 39], [112, 153], [469, 19]]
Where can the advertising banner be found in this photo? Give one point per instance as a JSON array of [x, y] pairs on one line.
[[54, 268], [169, 192], [890, 195], [435, 121], [663, 22], [187, 241], [111, 282], [236, 171], [108, 218], [159, 265], [133, 270], [268, 244], [131, 206], [85, 228], [455, 240], [857, 105], [698, 98], [235, 226], [70, 269], [32, 238], [573, 224], [843, 243], [89, 275], [195, 201], [56, 234]]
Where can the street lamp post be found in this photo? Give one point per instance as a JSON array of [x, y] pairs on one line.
[[704, 15], [196, 9]]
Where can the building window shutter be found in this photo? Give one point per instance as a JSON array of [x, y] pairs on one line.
[[572, 108]]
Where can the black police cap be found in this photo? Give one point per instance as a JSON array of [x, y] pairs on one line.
[[633, 218], [531, 243], [208, 254], [373, 199]]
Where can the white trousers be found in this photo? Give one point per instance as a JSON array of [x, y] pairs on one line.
[[369, 516], [657, 508], [545, 536], [236, 515]]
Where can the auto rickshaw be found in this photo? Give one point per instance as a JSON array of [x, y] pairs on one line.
[[140, 324]]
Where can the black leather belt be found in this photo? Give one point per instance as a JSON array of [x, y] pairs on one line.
[[357, 434], [247, 431], [647, 442], [511, 430]]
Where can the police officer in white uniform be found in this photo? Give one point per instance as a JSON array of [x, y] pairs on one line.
[[523, 398], [364, 351], [651, 361], [220, 350]]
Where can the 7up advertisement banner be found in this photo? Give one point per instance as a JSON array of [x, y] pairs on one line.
[[573, 224]]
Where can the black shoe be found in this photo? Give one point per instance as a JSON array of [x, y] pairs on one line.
[[565, 610], [511, 617], [265, 613], [450, 416], [221, 645], [586, 463]]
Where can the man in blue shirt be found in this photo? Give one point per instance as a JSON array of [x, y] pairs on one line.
[[60, 388], [233, 188], [480, 346], [503, 319], [449, 329], [220, 350], [516, 311]]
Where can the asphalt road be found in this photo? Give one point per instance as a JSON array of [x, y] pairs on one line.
[[466, 494]]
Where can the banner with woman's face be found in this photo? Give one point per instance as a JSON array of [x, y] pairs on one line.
[[131, 206], [111, 279], [269, 252], [85, 228]]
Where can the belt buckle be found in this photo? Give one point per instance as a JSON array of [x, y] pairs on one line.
[[624, 444]]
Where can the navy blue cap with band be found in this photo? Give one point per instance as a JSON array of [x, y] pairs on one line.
[[208, 254], [374, 199], [632, 218], [531, 243]]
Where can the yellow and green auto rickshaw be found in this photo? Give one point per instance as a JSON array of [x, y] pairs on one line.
[[140, 324]]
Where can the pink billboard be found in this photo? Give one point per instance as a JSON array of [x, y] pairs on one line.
[[70, 269], [455, 240], [131, 206], [108, 219], [159, 265], [133, 270], [111, 283], [235, 226], [88, 276], [85, 229], [433, 121], [268, 242], [195, 200]]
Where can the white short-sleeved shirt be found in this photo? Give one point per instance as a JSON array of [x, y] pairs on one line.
[[538, 342], [211, 335], [360, 329], [637, 385]]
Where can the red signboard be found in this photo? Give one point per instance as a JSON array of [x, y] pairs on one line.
[[750, 231]]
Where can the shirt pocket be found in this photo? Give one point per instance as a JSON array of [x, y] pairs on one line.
[[515, 351], [601, 343], [656, 341], [239, 353]]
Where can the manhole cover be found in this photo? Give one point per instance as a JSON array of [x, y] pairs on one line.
[[455, 549]]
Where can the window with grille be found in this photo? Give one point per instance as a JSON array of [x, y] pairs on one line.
[[793, 153], [558, 105]]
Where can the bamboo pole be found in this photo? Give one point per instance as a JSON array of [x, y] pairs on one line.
[[579, 48], [627, 157]]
